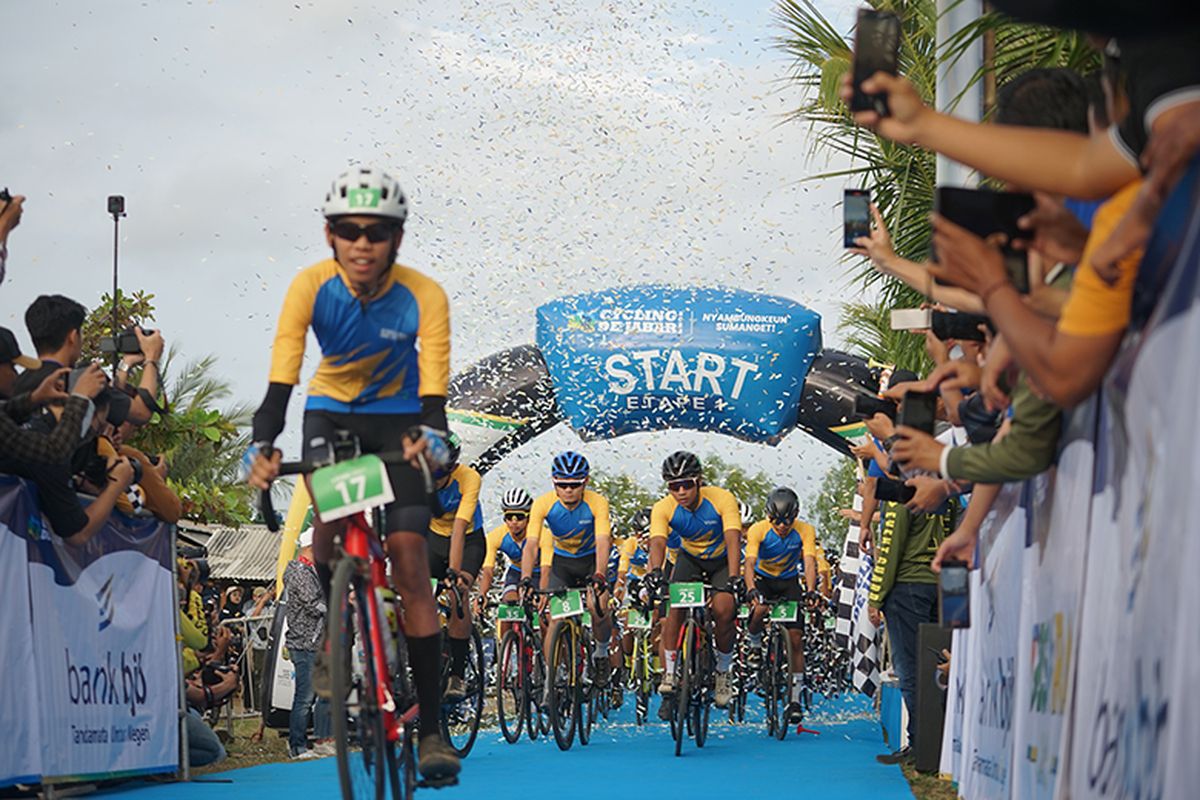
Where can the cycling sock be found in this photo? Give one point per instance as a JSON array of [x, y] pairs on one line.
[[601, 648], [724, 661], [325, 576], [458, 656], [669, 658], [755, 639], [797, 686], [425, 653]]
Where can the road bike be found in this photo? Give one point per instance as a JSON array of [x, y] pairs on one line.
[[520, 673]]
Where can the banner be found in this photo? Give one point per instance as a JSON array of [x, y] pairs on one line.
[[279, 674], [952, 732], [1052, 585], [21, 755], [105, 650], [652, 357], [991, 683]]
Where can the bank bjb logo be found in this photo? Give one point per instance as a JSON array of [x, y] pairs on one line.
[[105, 600]]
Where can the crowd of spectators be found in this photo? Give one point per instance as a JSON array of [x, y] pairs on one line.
[[1099, 153]]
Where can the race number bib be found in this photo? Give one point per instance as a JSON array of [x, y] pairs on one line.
[[568, 604], [687, 595], [347, 488], [784, 611], [637, 620], [506, 612]]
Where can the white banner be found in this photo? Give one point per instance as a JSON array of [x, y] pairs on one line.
[[20, 757], [952, 734], [104, 617], [1052, 585], [987, 761]]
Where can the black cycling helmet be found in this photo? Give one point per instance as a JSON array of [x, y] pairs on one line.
[[680, 465], [455, 445], [783, 505], [641, 520]]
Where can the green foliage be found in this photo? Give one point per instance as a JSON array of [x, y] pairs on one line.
[[201, 441], [625, 498], [746, 487], [901, 178], [135, 309], [825, 505]]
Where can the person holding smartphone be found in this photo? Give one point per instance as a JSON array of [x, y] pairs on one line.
[[904, 594]]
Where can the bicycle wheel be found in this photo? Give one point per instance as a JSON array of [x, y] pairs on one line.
[[408, 760], [702, 703], [782, 683], [563, 703], [362, 747], [511, 688], [683, 688], [641, 681], [536, 719], [588, 690], [769, 677], [460, 719]]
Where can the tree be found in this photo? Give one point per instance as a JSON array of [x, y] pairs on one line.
[[901, 178], [824, 507], [751, 489], [625, 498], [201, 442]]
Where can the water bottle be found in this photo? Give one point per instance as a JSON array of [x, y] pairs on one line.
[[386, 599]]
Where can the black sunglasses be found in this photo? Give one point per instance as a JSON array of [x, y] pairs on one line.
[[567, 484], [679, 486], [514, 515], [782, 520], [376, 232]]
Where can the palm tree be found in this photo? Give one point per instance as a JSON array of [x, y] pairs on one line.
[[901, 178]]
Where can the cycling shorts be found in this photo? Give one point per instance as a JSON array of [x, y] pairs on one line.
[[571, 573], [775, 589], [474, 549], [377, 433], [689, 569]]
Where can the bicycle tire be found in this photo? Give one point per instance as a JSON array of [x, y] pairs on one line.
[[460, 719], [588, 689], [783, 679], [537, 722], [641, 682], [361, 775], [703, 700], [511, 688], [683, 689], [408, 760], [563, 703], [769, 678]]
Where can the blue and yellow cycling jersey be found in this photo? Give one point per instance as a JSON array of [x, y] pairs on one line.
[[370, 359], [701, 532], [501, 540], [573, 531], [459, 500], [633, 558], [776, 556]]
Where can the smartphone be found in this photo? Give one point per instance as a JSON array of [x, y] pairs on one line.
[[954, 595], [957, 325], [856, 208], [876, 49], [867, 406], [911, 319], [984, 212], [893, 491], [918, 410]]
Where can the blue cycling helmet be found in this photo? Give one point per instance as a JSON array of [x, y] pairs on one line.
[[569, 466]]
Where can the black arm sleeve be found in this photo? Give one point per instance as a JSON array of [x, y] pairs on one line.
[[433, 412], [268, 420]]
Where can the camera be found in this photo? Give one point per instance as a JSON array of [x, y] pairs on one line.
[[866, 407], [125, 342], [5, 196], [116, 204]]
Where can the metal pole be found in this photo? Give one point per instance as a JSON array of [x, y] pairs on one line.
[[117, 212], [953, 96]]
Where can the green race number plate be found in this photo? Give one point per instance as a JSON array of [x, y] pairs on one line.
[[637, 620], [569, 604], [687, 595], [347, 488], [586, 619], [509, 613], [743, 612], [785, 611]]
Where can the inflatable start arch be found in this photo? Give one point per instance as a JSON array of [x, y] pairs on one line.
[[653, 357]]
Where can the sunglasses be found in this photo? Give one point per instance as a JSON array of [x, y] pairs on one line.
[[568, 484], [782, 520], [515, 516], [679, 486], [376, 232]]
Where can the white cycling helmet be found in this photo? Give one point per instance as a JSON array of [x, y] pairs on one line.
[[516, 499], [368, 191], [746, 512]]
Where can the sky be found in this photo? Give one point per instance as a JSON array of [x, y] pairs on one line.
[[546, 147]]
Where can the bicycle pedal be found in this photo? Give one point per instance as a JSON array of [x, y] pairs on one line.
[[437, 783]]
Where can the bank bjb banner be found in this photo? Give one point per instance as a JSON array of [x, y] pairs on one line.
[[104, 649], [652, 357]]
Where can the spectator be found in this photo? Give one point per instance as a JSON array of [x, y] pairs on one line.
[[145, 403], [204, 747], [305, 623], [904, 589], [55, 324], [10, 217], [160, 498]]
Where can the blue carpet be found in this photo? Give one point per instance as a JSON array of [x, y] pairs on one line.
[[737, 761]]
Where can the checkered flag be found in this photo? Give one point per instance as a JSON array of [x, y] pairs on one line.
[[848, 567], [865, 658]]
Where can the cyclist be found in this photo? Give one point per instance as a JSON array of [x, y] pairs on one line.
[[779, 551], [570, 530], [709, 525], [384, 333], [509, 539], [634, 560], [456, 551]]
